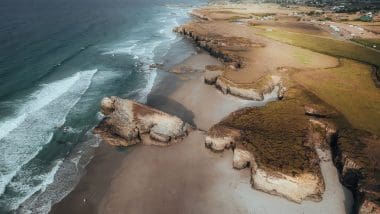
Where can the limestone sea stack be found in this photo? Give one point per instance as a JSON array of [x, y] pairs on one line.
[[127, 122]]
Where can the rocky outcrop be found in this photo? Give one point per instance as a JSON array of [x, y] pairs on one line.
[[245, 91], [127, 123], [356, 155], [295, 188], [245, 132], [218, 46]]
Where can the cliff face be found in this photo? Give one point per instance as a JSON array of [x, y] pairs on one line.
[[224, 48], [128, 122], [357, 159]]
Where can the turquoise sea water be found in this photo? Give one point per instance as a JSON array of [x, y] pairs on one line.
[[58, 58]]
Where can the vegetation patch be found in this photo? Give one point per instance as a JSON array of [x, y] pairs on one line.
[[350, 90], [263, 14], [372, 43]]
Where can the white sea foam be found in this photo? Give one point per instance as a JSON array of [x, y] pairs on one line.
[[144, 50], [29, 189], [33, 127], [37, 100], [65, 177]]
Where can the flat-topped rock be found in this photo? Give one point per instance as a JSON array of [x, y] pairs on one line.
[[127, 121]]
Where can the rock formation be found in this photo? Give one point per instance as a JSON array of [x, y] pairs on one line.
[[283, 143], [221, 47], [250, 92], [127, 122], [283, 162], [357, 157]]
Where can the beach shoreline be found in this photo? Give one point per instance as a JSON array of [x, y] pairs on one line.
[[184, 177], [263, 138]]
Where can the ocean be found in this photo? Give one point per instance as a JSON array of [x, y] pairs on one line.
[[58, 59]]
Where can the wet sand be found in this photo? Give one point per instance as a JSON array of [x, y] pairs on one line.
[[94, 183], [185, 177]]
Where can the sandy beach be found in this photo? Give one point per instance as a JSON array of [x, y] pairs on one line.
[[190, 106], [186, 177], [252, 90]]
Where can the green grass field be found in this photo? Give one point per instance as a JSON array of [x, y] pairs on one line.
[[348, 88], [325, 45]]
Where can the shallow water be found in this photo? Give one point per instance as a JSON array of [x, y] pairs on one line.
[[57, 60]]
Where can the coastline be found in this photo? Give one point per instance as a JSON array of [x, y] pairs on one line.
[[243, 71], [185, 177], [231, 107]]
